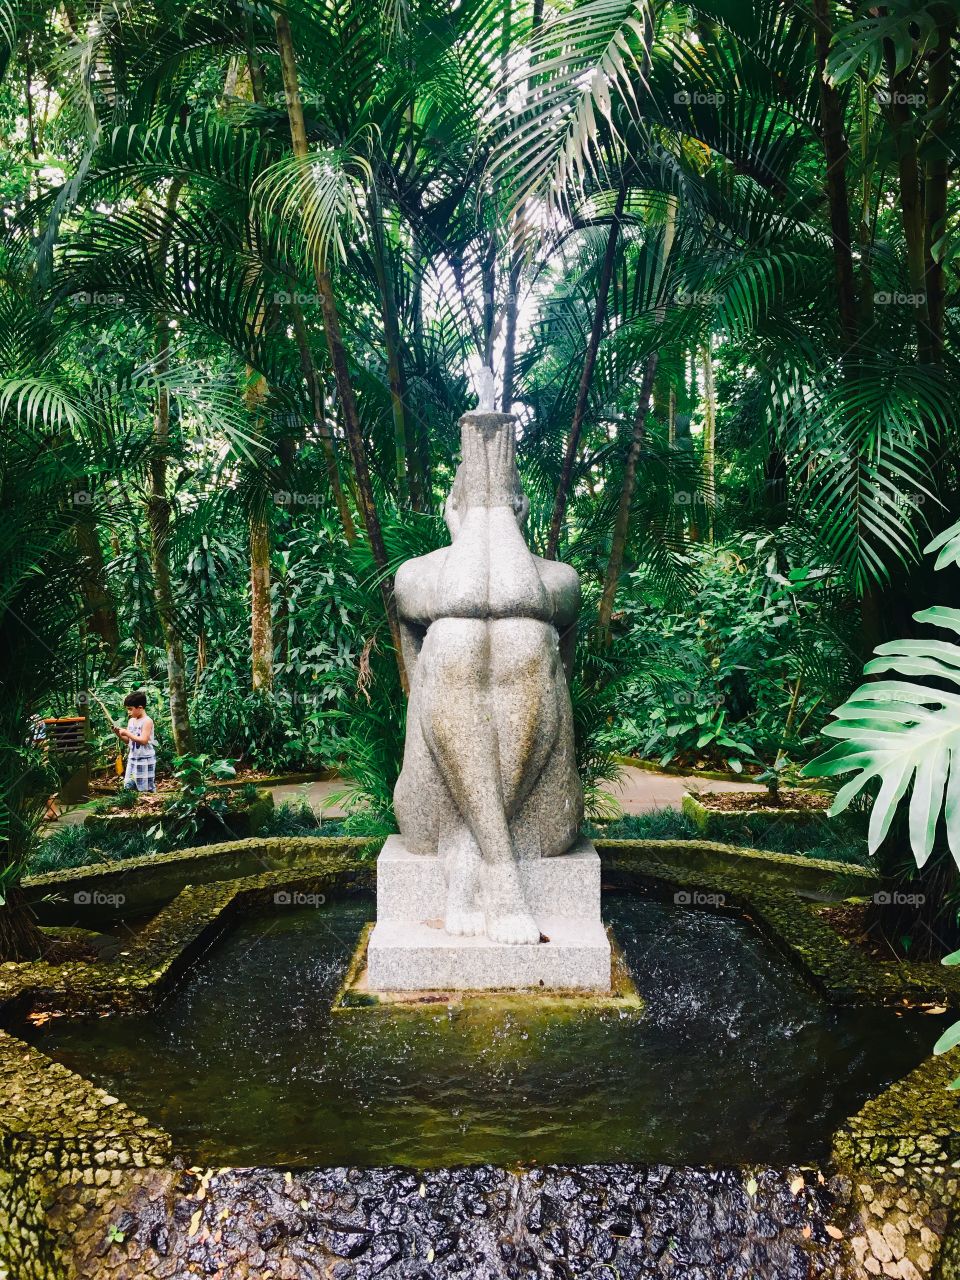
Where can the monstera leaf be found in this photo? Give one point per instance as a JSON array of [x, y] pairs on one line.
[[906, 733]]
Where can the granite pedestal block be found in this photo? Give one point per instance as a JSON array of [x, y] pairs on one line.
[[409, 949]]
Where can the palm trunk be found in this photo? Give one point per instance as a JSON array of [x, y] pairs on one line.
[[338, 359], [261, 620], [621, 528], [158, 516], [835, 153], [351, 423], [911, 204], [20, 936], [937, 174], [864, 227], [510, 335], [408, 486], [298, 142], [315, 388], [709, 434], [488, 276], [422, 430], [586, 377], [101, 613]]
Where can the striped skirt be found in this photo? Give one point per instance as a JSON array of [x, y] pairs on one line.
[[141, 768]]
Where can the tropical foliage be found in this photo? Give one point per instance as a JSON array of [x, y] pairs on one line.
[[253, 254], [906, 734]]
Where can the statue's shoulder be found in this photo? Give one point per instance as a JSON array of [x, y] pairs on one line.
[[414, 583], [563, 583]]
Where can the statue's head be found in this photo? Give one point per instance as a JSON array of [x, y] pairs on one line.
[[487, 475]]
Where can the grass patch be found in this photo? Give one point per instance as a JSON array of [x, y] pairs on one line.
[[71, 847], [837, 841], [295, 818]]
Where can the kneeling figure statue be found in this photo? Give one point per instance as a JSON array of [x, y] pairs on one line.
[[488, 628]]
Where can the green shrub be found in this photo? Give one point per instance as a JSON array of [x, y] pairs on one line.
[[69, 847], [116, 800], [817, 839]]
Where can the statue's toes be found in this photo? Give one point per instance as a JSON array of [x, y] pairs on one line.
[[465, 924], [516, 929]]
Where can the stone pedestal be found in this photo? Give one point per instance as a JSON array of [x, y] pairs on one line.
[[410, 951]]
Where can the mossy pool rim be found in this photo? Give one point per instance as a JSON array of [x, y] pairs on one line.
[[913, 1124]]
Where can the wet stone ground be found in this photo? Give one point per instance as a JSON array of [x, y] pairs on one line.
[[604, 1222]]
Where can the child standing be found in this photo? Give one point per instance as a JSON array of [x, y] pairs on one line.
[[142, 757]]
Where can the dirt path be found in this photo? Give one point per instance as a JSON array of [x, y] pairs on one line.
[[636, 791]]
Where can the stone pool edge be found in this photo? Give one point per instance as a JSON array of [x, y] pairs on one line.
[[904, 1141]]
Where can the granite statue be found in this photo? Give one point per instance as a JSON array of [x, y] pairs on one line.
[[489, 777]]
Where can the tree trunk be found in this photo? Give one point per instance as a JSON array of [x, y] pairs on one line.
[[510, 336], [586, 377], [315, 388], [158, 516], [937, 174], [351, 422], [101, 612], [911, 202], [20, 936], [621, 528], [835, 153], [261, 616], [339, 363], [299, 146], [709, 434], [864, 226], [488, 276], [261, 620], [408, 486]]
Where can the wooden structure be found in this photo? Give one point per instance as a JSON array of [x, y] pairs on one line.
[[67, 744]]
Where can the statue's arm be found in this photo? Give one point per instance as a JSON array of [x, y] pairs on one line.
[[568, 647], [413, 591], [563, 586]]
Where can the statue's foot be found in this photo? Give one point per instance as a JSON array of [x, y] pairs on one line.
[[514, 929], [504, 906], [464, 924]]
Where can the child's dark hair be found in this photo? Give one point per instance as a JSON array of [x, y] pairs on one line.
[[138, 699]]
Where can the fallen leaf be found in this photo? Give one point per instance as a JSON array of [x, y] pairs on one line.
[[423, 1190], [195, 1223], [797, 1185], [304, 1204], [834, 1232], [288, 1178], [751, 1187], [430, 1255], [807, 1232]]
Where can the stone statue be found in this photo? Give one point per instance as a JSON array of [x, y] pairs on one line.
[[489, 777]]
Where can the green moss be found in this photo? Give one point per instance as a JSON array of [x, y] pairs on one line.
[[623, 1000], [56, 1117], [145, 884]]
